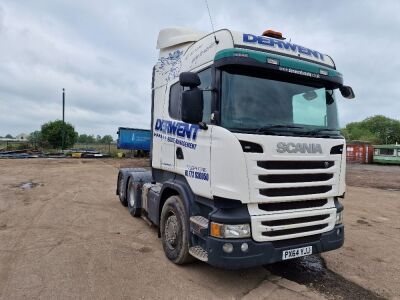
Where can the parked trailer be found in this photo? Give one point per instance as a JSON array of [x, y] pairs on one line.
[[387, 154], [247, 160], [134, 139]]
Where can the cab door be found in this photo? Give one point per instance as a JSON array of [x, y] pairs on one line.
[[167, 140], [193, 155]]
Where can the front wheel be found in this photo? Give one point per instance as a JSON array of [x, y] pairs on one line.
[[175, 231]]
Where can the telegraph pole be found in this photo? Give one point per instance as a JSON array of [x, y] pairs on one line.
[[63, 120]]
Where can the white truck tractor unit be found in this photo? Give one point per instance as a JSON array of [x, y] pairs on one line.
[[247, 160]]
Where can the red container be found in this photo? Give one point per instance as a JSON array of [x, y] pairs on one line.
[[360, 153]]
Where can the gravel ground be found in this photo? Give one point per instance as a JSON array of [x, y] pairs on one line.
[[63, 234], [385, 177]]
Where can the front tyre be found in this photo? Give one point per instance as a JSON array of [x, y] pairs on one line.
[[133, 200], [174, 231]]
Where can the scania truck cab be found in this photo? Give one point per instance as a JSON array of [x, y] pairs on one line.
[[247, 161]]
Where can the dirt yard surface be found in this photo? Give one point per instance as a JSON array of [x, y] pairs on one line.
[[63, 234], [374, 176]]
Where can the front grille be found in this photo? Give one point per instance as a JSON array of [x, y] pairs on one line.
[[295, 177], [308, 190], [294, 198], [294, 230], [295, 220], [294, 165], [292, 205]]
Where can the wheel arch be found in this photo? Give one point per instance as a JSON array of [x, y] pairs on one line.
[[174, 188]]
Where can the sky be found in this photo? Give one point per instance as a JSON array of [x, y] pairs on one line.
[[102, 53]]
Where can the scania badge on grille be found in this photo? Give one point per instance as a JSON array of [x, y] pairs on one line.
[[298, 147]]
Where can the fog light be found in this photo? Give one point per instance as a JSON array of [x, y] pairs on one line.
[[227, 247], [244, 247], [338, 231]]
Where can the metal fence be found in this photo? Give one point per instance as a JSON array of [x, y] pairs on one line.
[[16, 145], [110, 149]]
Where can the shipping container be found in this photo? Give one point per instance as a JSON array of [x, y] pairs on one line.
[[133, 139], [359, 152]]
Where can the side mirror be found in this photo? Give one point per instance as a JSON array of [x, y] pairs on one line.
[[189, 79], [192, 106], [192, 99], [347, 92]]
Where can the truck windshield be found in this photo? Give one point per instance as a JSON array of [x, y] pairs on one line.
[[266, 106]]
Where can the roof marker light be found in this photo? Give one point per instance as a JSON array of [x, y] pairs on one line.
[[240, 54], [323, 72], [273, 61], [274, 34]]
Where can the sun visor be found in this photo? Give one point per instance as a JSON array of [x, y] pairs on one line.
[[169, 37]]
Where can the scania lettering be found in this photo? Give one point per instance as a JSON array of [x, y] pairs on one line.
[[247, 164], [299, 147]]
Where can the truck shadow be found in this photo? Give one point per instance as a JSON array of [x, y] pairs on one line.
[[312, 272]]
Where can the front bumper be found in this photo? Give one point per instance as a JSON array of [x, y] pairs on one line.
[[268, 252]]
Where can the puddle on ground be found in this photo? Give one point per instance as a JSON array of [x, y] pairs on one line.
[[312, 272], [28, 185], [363, 222], [391, 190]]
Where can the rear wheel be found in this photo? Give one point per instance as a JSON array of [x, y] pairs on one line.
[[175, 231], [122, 191], [132, 199]]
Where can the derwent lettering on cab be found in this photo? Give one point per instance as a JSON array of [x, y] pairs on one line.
[[268, 41], [181, 129]]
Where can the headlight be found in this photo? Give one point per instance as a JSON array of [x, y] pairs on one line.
[[339, 218], [227, 231]]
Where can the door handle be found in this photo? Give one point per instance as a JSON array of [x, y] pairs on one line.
[[179, 153]]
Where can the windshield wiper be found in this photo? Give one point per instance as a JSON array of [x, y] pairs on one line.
[[318, 130], [276, 126]]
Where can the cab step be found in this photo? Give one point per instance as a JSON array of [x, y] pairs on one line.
[[199, 221], [199, 253]]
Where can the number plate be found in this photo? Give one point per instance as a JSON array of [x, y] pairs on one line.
[[298, 252]]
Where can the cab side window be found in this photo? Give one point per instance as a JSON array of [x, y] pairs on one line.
[[175, 100], [175, 97]]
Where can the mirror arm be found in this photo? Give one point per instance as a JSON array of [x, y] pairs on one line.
[[203, 125], [214, 90]]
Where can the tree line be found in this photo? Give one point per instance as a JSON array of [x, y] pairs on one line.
[[51, 133], [376, 129]]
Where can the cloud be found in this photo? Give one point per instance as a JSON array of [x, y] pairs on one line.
[[103, 52]]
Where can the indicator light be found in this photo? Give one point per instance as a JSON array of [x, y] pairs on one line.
[[227, 231]]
